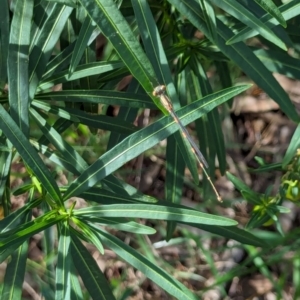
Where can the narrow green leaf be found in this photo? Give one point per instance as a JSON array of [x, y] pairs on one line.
[[128, 114], [272, 9], [120, 187], [237, 10], [67, 151], [64, 163], [91, 275], [252, 198], [63, 278], [267, 168], [155, 211], [71, 3], [288, 10], [18, 217], [103, 122], [100, 96], [4, 42], [83, 38], [209, 17], [97, 121], [103, 196], [90, 54], [154, 49], [49, 246], [235, 233], [44, 40], [113, 25], [76, 287], [208, 150], [119, 224], [29, 155], [55, 110], [15, 273], [151, 270], [174, 179], [25, 231], [240, 185], [5, 166], [216, 144], [292, 149], [60, 62], [279, 62], [18, 63], [41, 12], [5, 253], [90, 235], [89, 69]]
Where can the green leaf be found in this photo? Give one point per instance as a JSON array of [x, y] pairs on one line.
[[174, 178], [5, 165], [251, 197], [56, 110], [89, 234], [21, 233], [209, 17], [100, 96], [151, 270], [267, 168], [288, 10], [128, 114], [154, 211], [15, 273], [119, 224], [71, 3], [91, 275], [272, 9], [29, 155], [76, 286], [4, 42], [17, 63], [155, 51], [63, 267], [215, 139], [60, 62], [49, 246], [120, 195], [67, 151], [292, 149], [144, 139], [49, 22], [82, 71], [82, 41], [237, 10], [240, 185], [18, 217], [235, 233], [97, 121], [112, 24], [65, 163], [279, 62]]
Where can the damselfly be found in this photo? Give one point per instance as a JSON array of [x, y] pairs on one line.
[[160, 92]]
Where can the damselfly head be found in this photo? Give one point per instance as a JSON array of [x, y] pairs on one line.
[[159, 90]]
